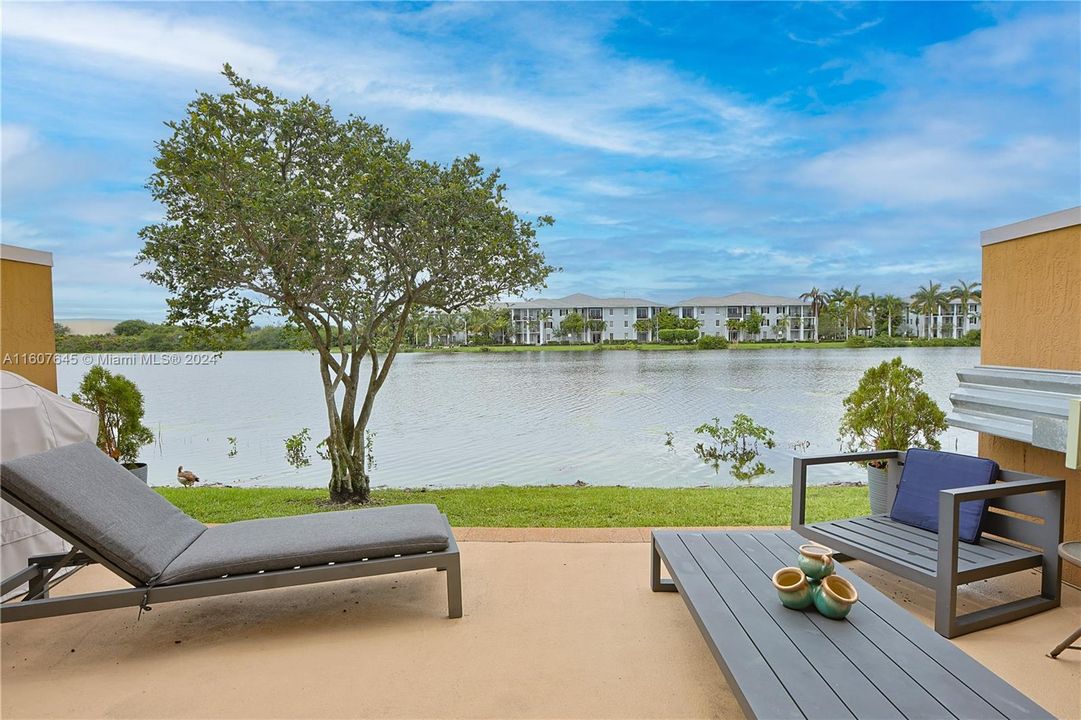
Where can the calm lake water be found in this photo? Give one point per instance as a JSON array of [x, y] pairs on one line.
[[535, 418]]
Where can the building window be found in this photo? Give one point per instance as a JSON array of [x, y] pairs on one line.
[[626, 323], [717, 323], [611, 312], [626, 311]]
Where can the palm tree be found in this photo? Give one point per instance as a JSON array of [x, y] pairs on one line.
[[838, 297], [818, 301], [893, 305], [966, 293], [501, 323], [928, 301], [544, 316], [854, 307], [734, 325], [872, 307]]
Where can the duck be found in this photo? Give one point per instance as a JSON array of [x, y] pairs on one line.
[[186, 477]]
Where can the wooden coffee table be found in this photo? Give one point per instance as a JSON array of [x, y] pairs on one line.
[[879, 662]]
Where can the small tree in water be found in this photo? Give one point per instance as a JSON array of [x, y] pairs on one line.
[[275, 206], [737, 444]]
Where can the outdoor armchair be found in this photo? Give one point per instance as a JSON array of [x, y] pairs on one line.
[[1015, 520]]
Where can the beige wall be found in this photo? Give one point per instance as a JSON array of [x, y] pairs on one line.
[[27, 341], [1032, 318]]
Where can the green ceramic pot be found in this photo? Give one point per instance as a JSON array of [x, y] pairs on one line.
[[793, 588], [816, 561], [834, 597]]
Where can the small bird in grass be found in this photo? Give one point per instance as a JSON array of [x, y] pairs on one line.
[[186, 477]]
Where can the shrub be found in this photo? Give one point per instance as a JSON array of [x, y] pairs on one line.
[[712, 342], [889, 410], [677, 335], [119, 406], [856, 341], [884, 340], [972, 337]]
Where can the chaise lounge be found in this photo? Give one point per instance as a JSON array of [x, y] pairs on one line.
[[110, 517]]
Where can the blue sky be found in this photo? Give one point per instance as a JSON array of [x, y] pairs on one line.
[[683, 149]]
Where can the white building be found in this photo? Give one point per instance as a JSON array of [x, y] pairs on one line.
[[949, 322], [540, 321], [783, 318]]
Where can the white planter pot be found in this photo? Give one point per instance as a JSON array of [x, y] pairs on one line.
[[877, 488]]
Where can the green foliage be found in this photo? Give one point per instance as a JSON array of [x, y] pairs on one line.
[[232, 446], [273, 205], [119, 406], [677, 335], [889, 410], [856, 341], [972, 338], [169, 338], [752, 324], [885, 341], [644, 325], [130, 327], [296, 449], [737, 444], [573, 324], [60, 331], [712, 342]]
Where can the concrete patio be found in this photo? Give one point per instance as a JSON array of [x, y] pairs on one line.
[[558, 624]]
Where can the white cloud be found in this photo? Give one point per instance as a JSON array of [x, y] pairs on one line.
[[16, 140], [157, 38]]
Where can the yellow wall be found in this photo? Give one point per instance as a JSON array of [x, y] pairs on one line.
[[1032, 318], [27, 341]]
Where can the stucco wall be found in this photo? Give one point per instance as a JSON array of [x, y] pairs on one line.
[[27, 342], [1032, 318]]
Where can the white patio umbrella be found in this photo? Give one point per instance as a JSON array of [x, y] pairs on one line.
[[32, 420]]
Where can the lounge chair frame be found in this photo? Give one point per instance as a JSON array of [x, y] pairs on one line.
[[41, 569], [1022, 530]]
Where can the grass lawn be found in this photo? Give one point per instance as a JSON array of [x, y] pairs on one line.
[[552, 506]]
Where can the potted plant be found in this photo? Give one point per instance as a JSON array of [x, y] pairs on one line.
[[119, 406], [889, 411]]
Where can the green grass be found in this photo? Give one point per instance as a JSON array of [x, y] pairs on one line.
[[553, 506]]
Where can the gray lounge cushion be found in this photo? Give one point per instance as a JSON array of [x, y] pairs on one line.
[[103, 507], [280, 543]]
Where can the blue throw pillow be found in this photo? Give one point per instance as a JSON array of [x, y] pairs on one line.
[[928, 471]]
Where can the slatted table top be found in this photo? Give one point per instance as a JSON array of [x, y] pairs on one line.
[[880, 662]]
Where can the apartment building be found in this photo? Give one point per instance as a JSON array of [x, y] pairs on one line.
[[783, 318], [949, 322], [540, 321]]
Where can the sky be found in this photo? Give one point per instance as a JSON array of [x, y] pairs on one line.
[[683, 148]]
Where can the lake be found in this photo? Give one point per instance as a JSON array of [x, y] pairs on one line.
[[529, 418]]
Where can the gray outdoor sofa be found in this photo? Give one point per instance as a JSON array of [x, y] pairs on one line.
[[112, 518]]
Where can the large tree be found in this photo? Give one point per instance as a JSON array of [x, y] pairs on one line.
[[275, 206]]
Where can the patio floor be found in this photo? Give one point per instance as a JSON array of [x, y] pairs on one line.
[[551, 629]]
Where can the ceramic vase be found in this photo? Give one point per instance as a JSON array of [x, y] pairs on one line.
[[834, 597], [816, 561], [793, 588]]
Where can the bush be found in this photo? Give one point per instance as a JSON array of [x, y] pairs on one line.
[[712, 342], [884, 340], [972, 337], [677, 335], [856, 341]]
